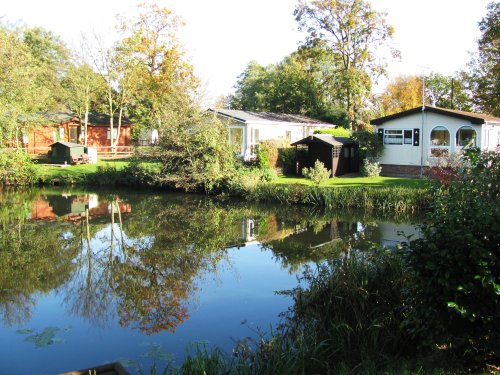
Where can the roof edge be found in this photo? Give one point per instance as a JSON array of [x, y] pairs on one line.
[[477, 120]]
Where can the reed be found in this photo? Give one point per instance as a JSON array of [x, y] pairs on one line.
[[382, 199]]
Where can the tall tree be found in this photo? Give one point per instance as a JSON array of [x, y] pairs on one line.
[[303, 83], [483, 70], [85, 89], [447, 92], [402, 93], [351, 31], [21, 95], [166, 84], [51, 57]]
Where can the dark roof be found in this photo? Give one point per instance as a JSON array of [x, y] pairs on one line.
[[67, 144], [324, 138], [248, 116], [101, 119], [475, 118]]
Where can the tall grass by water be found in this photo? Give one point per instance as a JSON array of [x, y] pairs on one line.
[[393, 199]]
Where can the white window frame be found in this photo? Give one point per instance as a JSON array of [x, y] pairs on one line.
[[398, 134], [241, 151], [439, 147], [468, 127]]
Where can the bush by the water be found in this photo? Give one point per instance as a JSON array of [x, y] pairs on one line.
[[316, 174], [455, 288], [17, 168]]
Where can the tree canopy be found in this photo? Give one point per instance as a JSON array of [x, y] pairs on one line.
[[483, 71]]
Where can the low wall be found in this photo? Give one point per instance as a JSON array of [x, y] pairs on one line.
[[403, 170]]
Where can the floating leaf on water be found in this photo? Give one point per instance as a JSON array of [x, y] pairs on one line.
[[67, 329], [45, 338], [25, 331]]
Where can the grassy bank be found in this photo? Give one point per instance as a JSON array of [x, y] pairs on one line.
[[380, 181], [396, 199], [383, 194]]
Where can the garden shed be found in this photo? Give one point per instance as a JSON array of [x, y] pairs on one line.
[[65, 152], [339, 155]]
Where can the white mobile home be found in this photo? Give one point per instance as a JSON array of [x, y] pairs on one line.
[[420, 137], [248, 129]]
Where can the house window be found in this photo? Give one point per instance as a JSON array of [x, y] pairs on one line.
[[393, 137], [115, 134], [440, 142], [236, 139], [61, 134], [288, 135], [408, 137], [465, 137], [398, 137], [254, 141]]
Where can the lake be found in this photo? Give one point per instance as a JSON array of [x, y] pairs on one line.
[[97, 276]]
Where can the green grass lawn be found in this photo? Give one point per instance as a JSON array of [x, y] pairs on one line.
[[76, 172], [361, 181]]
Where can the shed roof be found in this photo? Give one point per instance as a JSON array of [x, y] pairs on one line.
[[262, 117], [100, 119], [324, 138], [67, 144], [475, 118]]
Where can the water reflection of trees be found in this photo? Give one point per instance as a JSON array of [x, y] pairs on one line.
[[143, 264], [34, 257]]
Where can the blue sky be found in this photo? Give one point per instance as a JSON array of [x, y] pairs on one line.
[[222, 36]]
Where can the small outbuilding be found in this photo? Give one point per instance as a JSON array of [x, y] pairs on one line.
[[66, 152], [339, 155]]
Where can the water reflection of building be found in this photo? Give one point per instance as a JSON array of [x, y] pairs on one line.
[[393, 235], [73, 207]]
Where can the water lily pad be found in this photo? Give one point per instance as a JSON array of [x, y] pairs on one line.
[[45, 338], [25, 331]]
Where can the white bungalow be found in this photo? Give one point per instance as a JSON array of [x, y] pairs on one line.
[[422, 136], [248, 129]]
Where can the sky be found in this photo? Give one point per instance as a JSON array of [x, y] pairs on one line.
[[222, 36]]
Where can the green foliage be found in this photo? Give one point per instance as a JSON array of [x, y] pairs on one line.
[[317, 174], [370, 168], [267, 153], [483, 69], [394, 199], [350, 31], [195, 154], [370, 145], [438, 91], [336, 132], [17, 168], [456, 268], [301, 84], [287, 159]]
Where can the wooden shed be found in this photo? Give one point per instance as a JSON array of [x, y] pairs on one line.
[[339, 155], [65, 152]]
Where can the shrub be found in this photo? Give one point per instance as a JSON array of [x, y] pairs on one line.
[[370, 145], [17, 168], [267, 153], [455, 282], [370, 168], [287, 158], [317, 174]]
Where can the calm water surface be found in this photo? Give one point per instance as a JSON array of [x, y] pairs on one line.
[[91, 277]]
